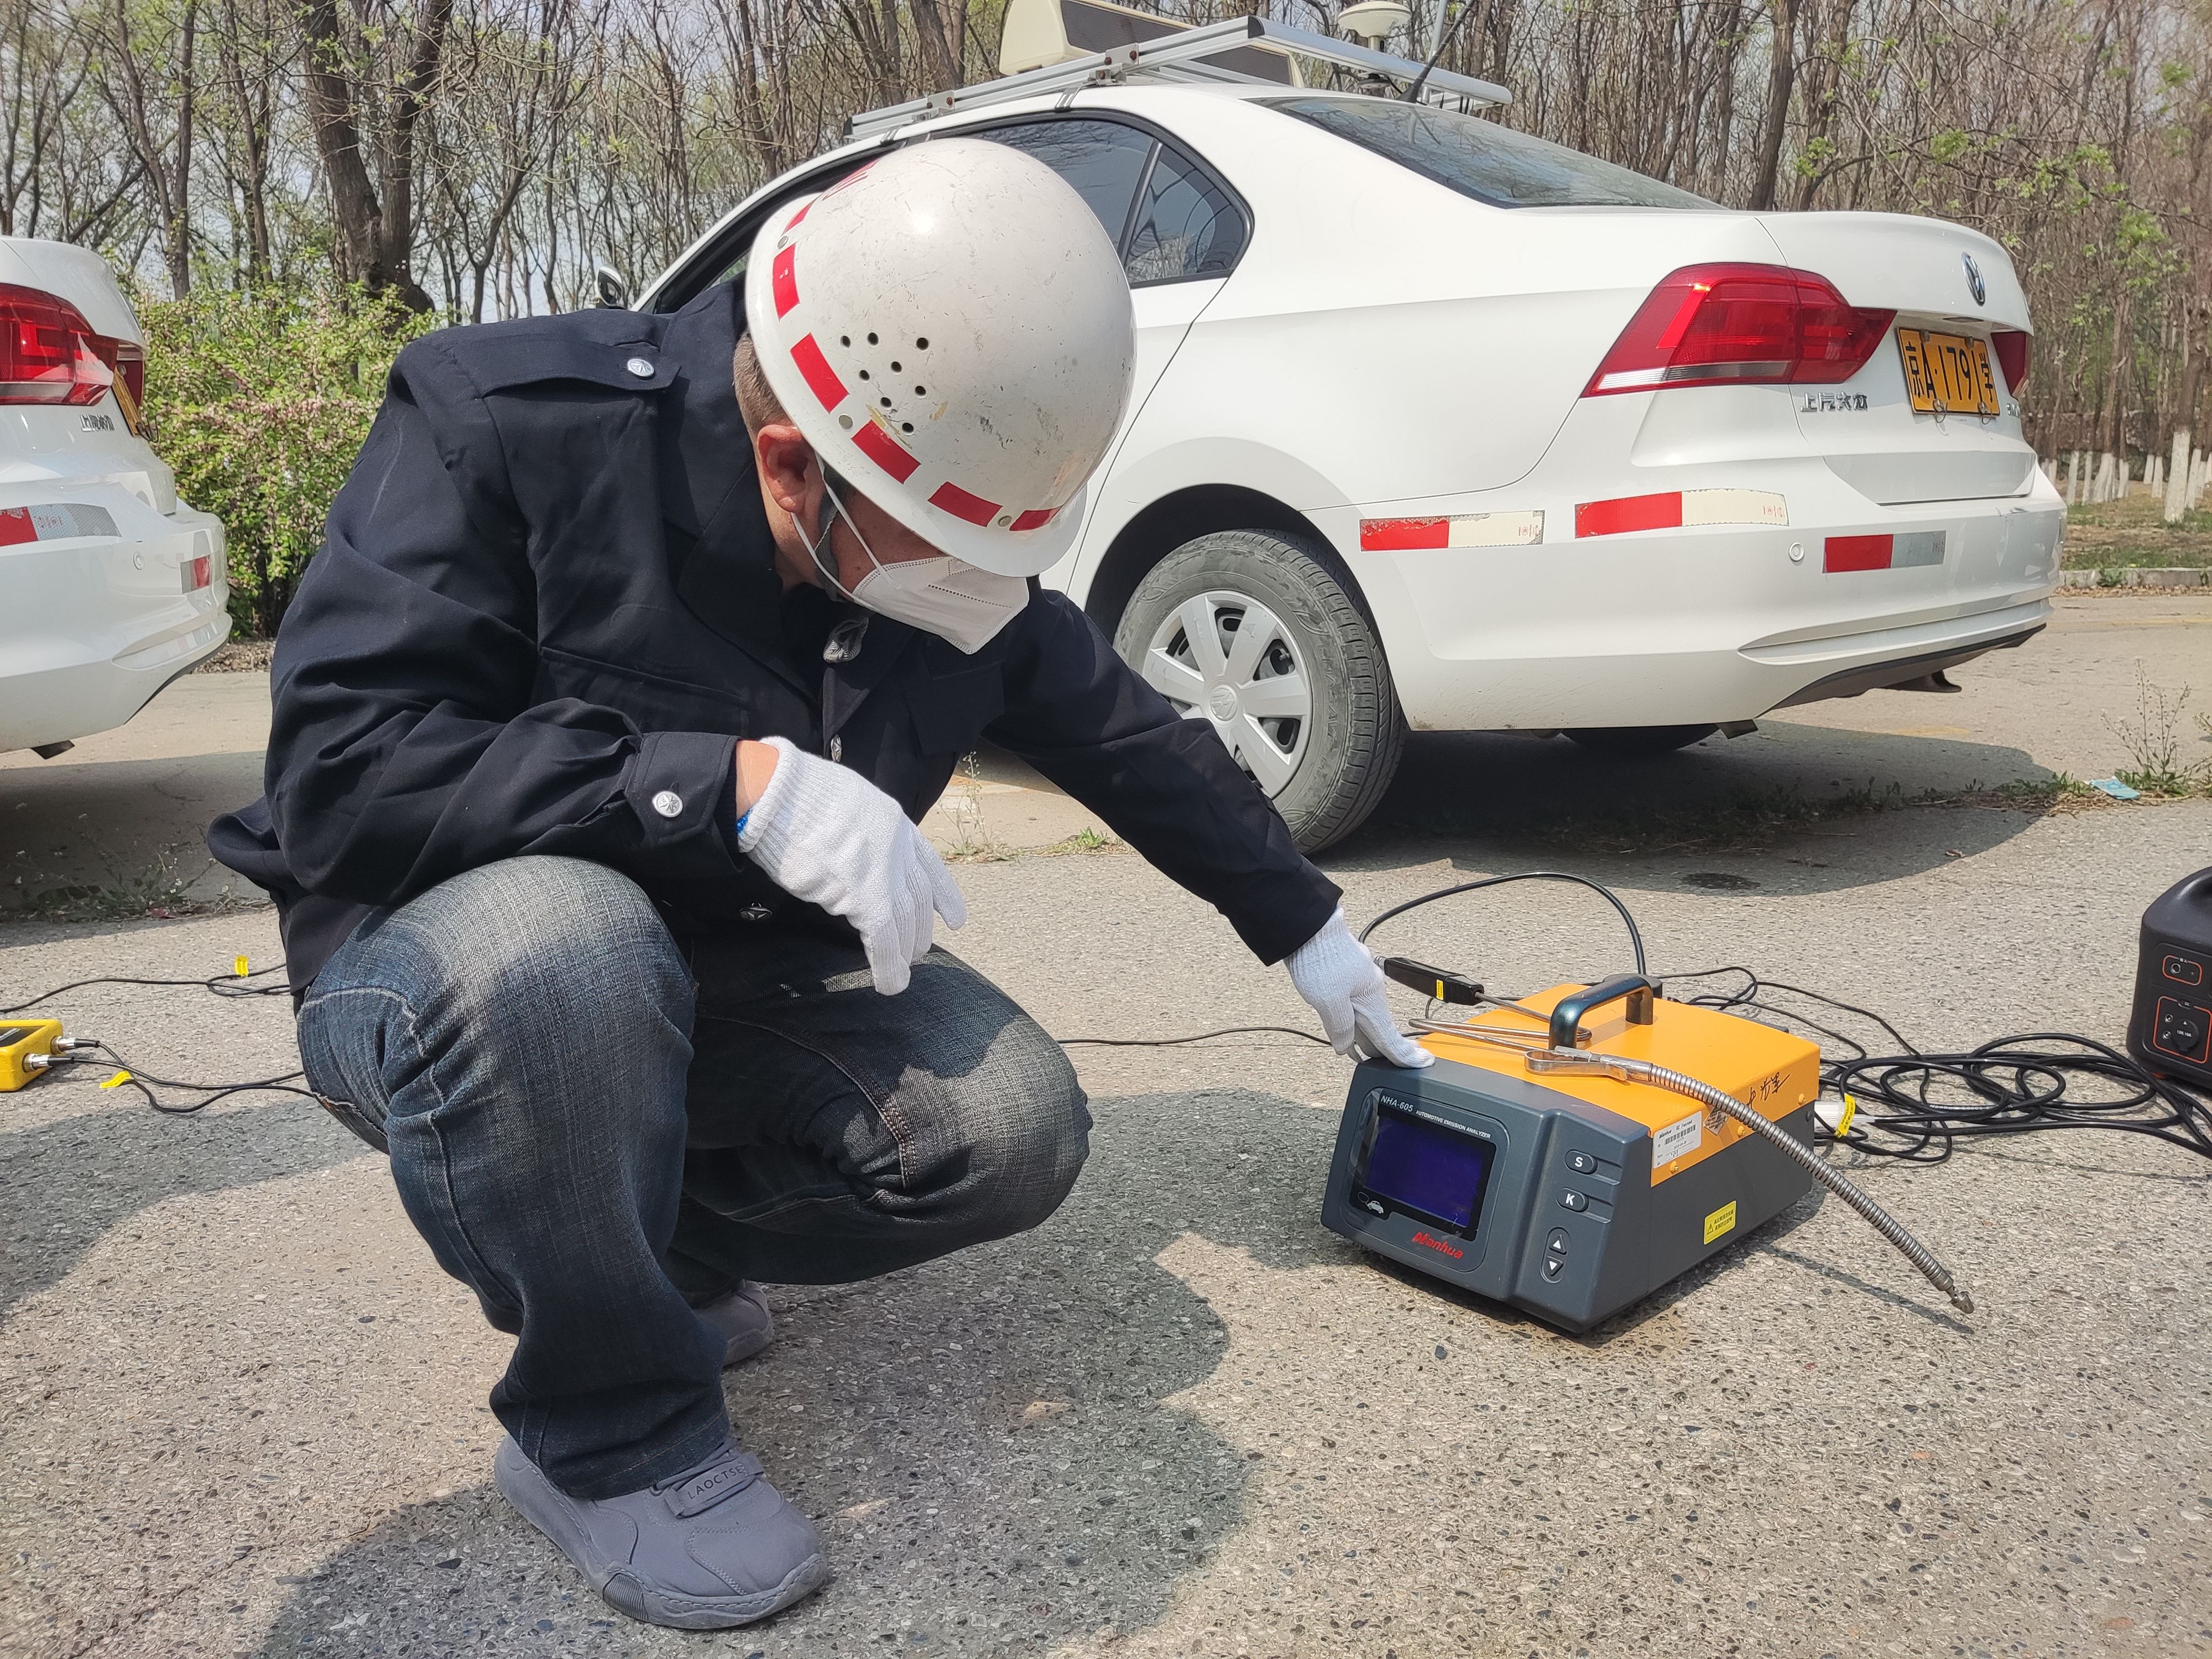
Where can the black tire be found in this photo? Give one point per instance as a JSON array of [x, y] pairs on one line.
[[1354, 733], [1635, 742]]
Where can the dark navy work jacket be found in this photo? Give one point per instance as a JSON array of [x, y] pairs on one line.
[[547, 604]]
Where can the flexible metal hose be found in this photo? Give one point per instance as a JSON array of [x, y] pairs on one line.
[[1643, 1071]]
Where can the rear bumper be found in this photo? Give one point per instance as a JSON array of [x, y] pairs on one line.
[[1698, 624], [98, 623]]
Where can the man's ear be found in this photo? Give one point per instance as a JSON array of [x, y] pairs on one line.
[[787, 464]]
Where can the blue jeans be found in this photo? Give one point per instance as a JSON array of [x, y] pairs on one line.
[[598, 1125]]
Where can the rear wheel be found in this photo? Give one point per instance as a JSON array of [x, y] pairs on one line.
[[1629, 742], [1258, 634]]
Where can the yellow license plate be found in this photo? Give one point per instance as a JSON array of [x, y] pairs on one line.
[[1947, 373]]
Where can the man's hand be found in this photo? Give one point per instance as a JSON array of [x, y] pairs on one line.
[[1336, 973], [828, 835]]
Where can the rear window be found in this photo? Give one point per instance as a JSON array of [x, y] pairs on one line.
[[1481, 159]]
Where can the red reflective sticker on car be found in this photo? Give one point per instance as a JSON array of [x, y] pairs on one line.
[[1625, 514], [1856, 553], [1403, 535]]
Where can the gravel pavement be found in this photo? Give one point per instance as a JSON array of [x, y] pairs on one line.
[[243, 1412]]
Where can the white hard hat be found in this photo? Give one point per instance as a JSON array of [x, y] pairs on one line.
[[950, 330]]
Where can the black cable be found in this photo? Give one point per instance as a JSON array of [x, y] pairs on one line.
[[2010, 1085], [223, 985], [1635, 938], [132, 1077], [1169, 1042]]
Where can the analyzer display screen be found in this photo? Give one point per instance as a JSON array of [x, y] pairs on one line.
[[1428, 1169]]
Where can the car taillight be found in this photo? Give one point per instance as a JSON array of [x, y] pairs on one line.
[[1736, 324], [198, 572], [49, 354], [2011, 345]]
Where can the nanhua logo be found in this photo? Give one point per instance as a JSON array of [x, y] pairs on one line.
[[1974, 284]]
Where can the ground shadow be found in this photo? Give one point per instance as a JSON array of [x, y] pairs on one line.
[[70, 1180], [1527, 798], [983, 1440]]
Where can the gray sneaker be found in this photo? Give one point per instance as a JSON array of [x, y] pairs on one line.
[[714, 1547], [743, 1320]]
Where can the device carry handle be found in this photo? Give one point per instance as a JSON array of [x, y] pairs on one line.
[[1567, 1017]]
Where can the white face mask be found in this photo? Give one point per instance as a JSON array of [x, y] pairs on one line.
[[942, 595]]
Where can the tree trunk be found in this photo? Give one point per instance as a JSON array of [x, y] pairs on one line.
[[1780, 77]]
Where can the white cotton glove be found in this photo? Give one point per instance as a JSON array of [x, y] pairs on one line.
[[1337, 974], [826, 834]]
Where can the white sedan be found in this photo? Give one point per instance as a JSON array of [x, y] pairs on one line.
[[1441, 426], [110, 585]]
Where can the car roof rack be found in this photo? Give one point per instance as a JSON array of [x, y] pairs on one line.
[[1179, 57]]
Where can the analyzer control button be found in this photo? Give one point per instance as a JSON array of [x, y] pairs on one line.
[[1557, 1243], [1554, 1265], [1581, 1162], [1573, 1200]]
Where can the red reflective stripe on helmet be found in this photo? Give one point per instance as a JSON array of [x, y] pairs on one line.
[[961, 505], [885, 451], [15, 525], [1036, 519], [821, 379], [784, 282], [801, 213], [1403, 535], [1627, 513]]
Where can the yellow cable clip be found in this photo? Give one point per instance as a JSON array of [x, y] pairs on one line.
[[238, 967], [117, 1081]]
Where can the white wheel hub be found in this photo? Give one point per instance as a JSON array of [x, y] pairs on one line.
[[1227, 660]]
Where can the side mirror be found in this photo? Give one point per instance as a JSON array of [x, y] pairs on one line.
[[613, 287]]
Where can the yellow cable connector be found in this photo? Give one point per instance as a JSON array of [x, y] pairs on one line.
[[1851, 1111], [238, 967], [117, 1081]]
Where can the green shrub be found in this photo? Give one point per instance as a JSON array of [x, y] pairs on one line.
[[260, 401]]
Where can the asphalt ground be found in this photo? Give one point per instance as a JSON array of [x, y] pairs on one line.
[[243, 1412]]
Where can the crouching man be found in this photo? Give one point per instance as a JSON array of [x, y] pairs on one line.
[[636, 647]]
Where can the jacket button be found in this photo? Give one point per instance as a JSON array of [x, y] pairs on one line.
[[640, 367], [837, 749], [668, 804], [756, 913]]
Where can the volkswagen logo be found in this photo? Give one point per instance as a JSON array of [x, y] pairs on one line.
[[1974, 284]]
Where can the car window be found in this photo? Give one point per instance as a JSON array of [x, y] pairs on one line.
[[1103, 160], [1187, 225], [1481, 159]]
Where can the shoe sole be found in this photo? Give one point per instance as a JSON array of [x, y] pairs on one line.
[[542, 1503]]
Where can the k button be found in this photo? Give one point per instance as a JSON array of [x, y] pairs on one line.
[[1573, 1200]]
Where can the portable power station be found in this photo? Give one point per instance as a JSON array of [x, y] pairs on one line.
[[1538, 1179], [2170, 1029]]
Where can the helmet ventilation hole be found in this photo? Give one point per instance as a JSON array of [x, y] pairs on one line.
[[872, 339], [886, 402], [919, 393], [906, 426], [864, 374], [845, 421], [922, 346], [844, 339], [894, 368]]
